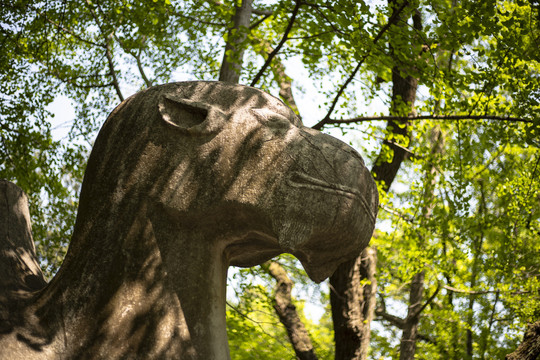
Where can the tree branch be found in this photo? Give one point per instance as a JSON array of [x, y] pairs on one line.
[[318, 9], [483, 292], [265, 15], [137, 58], [392, 319], [391, 20], [73, 80], [108, 51], [283, 80], [400, 323], [310, 36], [263, 12], [400, 215], [428, 301], [278, 47], [109, 55], [258, 22], [426, 117], [70, 32]]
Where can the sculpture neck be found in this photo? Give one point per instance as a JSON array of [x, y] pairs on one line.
[[150, 291]]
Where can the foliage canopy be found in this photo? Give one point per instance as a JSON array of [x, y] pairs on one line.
[[464, 209]]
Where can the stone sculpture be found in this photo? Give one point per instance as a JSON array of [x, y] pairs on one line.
[[184, 180]]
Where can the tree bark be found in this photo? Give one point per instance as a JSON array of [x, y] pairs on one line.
[[407, 346], [350, 337], [231, 65], [353, 305], [529, 349], [403, 91], [403, 97], [288, 315]]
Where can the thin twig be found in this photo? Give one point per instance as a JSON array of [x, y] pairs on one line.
[[70, 32], [108, 50], [283, 40], [109, 55], [137, 58], [391, 20], [405, 217], [431, 298], [483, 292], [426, 117], [259, 21]]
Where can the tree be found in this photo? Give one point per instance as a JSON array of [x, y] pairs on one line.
[[469, 71]]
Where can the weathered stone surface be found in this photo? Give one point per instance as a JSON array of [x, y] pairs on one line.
[[184, 180], [20, 274], [19, 270]]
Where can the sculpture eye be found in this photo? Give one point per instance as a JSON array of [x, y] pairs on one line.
[[271, 119]]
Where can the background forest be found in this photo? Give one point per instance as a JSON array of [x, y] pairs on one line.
[[441, 98]]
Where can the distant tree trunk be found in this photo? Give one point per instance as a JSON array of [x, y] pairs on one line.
[[407, 346], [477, 258], [351, 331], [231, 65], [288, 315], [530, 347], [404, 93], [353, 305], [403, 97]]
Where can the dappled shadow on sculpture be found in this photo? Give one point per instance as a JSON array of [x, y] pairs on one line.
[[184, 180]]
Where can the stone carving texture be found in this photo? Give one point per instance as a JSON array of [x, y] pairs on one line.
[[184, 180]]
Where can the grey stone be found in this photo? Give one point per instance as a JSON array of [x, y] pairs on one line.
[[184, 180]]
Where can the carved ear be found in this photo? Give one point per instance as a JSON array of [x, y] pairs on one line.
[[191, 117]]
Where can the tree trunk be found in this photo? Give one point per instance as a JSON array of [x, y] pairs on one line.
[[530, 347], [288, 315], [231, 65], [407, 346], [403, 97], [350, 337], [403, 91], [353, 306]]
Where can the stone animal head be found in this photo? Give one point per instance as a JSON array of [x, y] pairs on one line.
[[238, 166]]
